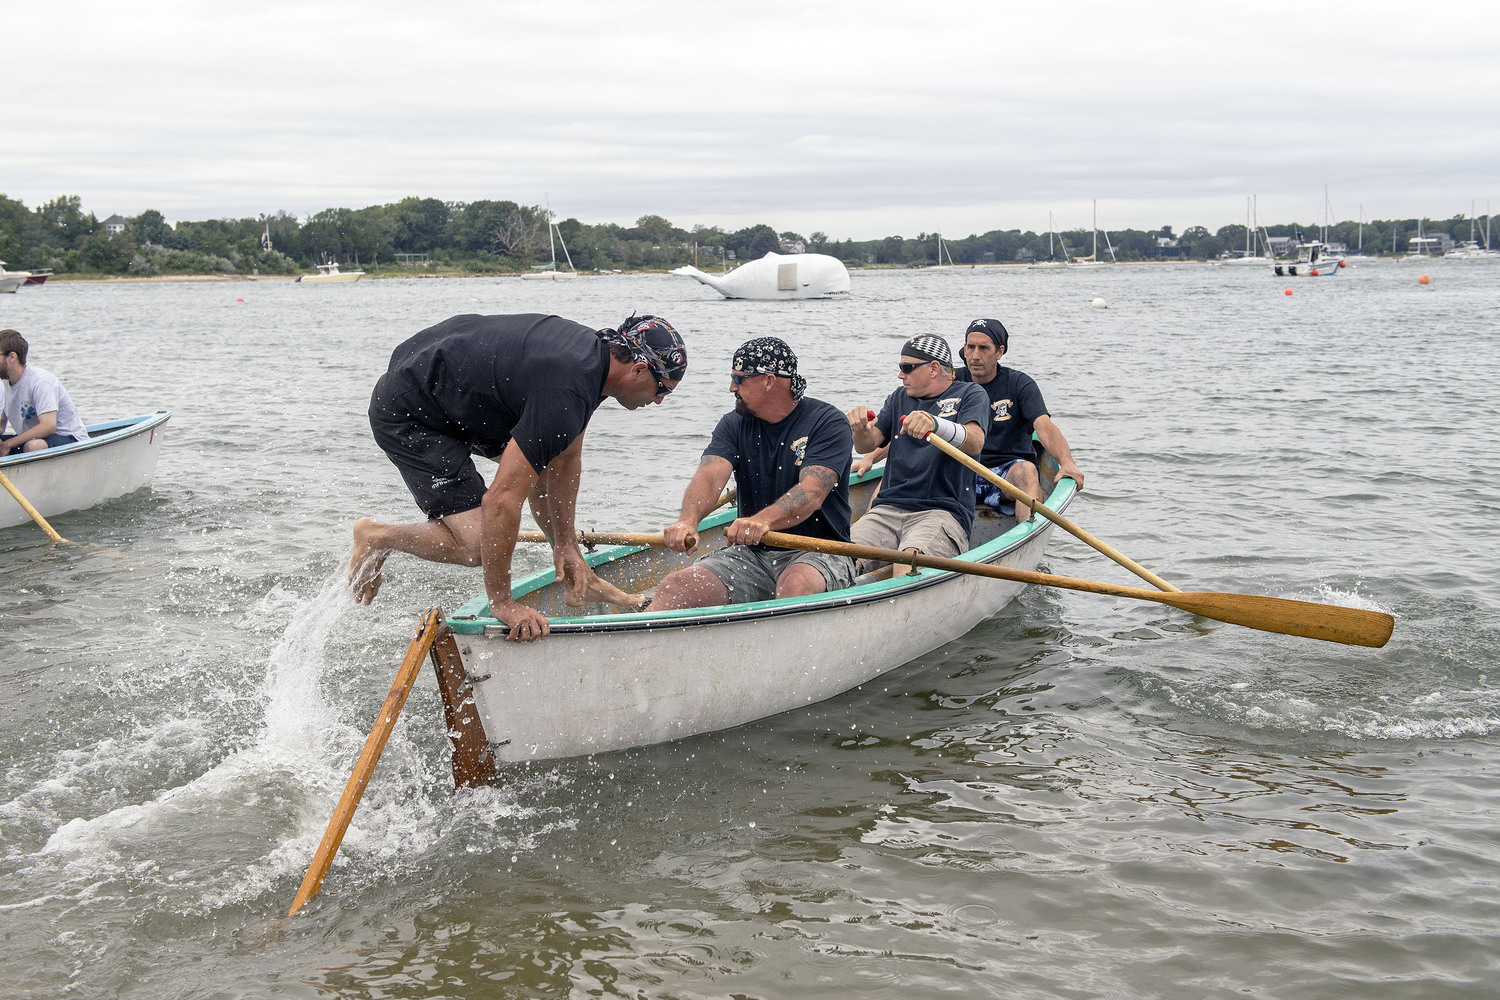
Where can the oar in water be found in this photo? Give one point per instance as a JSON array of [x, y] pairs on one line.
[[1016, 493], [36, 516], [1330, 622], [338, 823]]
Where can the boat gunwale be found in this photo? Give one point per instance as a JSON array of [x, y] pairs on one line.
[[114, 431], [469, 619]]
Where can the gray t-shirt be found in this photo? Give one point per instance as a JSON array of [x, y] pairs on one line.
[[37, 392]]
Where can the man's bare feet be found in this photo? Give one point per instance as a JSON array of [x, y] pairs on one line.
[[602, 590], [364, 565]]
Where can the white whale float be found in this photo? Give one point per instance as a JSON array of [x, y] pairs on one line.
[[779, 276]]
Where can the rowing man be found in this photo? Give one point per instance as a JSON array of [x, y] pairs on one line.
[[926, 499], [519, 390], [789, 455], [33, 403], [1016, 409]]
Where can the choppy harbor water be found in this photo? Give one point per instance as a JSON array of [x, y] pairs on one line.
[[1084, 797]]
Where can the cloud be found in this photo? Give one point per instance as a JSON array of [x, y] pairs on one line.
[[873, 116]]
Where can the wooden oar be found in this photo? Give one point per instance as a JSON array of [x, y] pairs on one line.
[[583, 536], [36, 516], [1016, 493], [338, 823], [1330, 622]]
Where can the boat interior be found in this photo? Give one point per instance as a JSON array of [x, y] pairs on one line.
[[637, 569]]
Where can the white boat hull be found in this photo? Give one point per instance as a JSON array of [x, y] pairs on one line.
[[549, 275], [611, 682], [119, 459], [314, 279], [12, 280], [778, 276]]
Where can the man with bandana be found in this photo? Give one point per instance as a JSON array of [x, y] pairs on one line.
[[1016, 409], [519, 390], [790, 456], [926, 499]]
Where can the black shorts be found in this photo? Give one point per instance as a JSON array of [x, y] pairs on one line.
[[435, 465]]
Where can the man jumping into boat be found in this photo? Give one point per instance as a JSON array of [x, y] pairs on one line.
[[520, 390], [1016, 409], [33, 403], [926, 499], [790, 456]]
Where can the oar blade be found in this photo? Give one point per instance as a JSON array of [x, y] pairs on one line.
[[1329, 622]]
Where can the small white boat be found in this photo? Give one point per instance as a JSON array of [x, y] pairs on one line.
[[1092, 260], [609, 681], [118, 458], [778, 276], [12, 280], [1314, 259], [551, 273], [331, 272], [1051, 263]]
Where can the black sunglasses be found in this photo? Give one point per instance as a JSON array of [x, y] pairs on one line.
[[907, 367], [662, 389]]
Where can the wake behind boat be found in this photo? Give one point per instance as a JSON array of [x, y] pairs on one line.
[[608, 681], [118, 458]]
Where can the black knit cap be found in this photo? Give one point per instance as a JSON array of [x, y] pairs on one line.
[[993, 327]]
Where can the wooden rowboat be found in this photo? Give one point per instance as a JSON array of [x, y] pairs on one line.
[[609, 681], [118, 458]]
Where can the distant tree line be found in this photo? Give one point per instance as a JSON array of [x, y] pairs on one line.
[[505, 237]]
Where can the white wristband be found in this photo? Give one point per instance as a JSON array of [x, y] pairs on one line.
[[948, 430]]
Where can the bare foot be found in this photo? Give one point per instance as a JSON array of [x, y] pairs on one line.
[[364, 565], [602, 590]]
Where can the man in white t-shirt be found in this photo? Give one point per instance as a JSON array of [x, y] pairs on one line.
[[33, 404]]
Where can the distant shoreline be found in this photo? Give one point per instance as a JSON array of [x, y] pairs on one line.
[[125, 279]]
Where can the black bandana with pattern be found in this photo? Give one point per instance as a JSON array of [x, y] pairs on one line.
[[770, 356], [653, 340]]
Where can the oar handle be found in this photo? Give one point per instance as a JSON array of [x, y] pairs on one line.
[[26, 506], [1018, 494]]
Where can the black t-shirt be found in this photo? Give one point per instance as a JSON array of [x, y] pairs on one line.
[[917, 475], [487, 379], [769, 458], [1015, 403]]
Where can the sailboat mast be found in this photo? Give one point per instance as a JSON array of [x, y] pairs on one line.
[[1096, 229]]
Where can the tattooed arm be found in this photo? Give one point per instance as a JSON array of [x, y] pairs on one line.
[[790, 509]]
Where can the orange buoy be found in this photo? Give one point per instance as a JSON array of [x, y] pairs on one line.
[[1288, 291], [1423, 280], [1314, 272], [239, 300], [1342, 264]]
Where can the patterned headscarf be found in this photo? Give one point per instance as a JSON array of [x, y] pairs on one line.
[[653, 340], [770, 356], [928, 348]]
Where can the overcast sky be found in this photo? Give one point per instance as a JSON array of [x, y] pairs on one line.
[[859, 119]]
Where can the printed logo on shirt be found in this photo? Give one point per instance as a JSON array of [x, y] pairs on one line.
[[799, 448], [948, 408], [28, 411], [438, 482], [1002, 410]]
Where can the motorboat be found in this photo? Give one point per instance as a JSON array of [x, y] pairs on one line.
[[331, 272]]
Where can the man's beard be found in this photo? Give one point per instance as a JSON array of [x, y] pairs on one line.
[[741, 408]]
